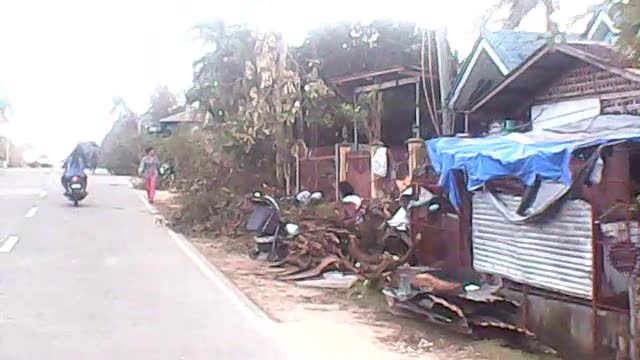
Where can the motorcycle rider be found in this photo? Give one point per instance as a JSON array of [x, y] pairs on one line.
[[74, 165]]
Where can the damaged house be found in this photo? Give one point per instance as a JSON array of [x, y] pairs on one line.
[[552, 211]]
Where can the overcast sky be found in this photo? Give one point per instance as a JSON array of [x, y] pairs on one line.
[[62, 61]]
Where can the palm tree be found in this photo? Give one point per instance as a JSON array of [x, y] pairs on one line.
[[5, 107]]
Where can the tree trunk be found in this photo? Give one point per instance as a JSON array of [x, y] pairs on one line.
[[444, 80], [549, 6], [283, 130], [519, 9]]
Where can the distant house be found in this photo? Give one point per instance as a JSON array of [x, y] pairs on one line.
[[169, 125], [602, 27]]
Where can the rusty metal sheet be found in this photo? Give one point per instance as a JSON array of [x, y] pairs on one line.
[[555, 254], [359, 172], [317, 171]]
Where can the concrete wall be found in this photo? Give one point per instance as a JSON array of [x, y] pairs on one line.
[[568, 327]]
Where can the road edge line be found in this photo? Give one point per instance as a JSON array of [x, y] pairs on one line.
[[9, 243], [32, 212], [249, 309], [146, 203]]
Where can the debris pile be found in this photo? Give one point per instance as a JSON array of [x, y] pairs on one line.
[[365, 247], [415, 292], [372, 241]]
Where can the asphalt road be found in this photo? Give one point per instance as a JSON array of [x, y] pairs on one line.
[[105, 281]]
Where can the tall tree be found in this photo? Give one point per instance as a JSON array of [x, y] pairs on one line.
[[517, 10], [5, 108], [162, 103], [626, 14]]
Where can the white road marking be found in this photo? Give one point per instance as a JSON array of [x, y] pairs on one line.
[[249, 310], [150, 207], [9, 243], [261, 323], [32, 212]]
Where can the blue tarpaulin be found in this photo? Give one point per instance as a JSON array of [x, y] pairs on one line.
[[543, 153]]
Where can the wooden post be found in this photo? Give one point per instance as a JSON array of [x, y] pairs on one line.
[[343, 164], [355, 124], [415, 147], [372, 150], [417, 124], [297, 157], [466, 122]]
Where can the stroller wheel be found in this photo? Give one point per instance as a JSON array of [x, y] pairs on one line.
[[253, 254]]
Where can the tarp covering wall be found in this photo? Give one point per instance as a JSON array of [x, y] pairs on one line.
[[539, 153]]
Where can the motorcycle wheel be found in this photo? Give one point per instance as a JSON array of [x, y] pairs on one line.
[[75, 202]]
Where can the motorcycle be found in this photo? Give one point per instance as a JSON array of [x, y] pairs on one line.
[[76, 189], [271, 232]]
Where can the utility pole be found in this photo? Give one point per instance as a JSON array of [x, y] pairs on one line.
[[444, 78], [7, 152]]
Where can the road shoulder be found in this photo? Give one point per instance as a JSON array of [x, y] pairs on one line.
[[356, 319]]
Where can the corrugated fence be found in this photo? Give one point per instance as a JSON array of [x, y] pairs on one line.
[[555, 254]]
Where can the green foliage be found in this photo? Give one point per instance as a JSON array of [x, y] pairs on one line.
[[347, 48], [123, 158], [628, 22], [162, 103], [371, 123], [121, 147]]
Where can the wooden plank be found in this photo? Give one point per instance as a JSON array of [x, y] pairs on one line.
[[606, 96], [596, 62], [387, 85], [364, 75], [619, 95], [317, 158]]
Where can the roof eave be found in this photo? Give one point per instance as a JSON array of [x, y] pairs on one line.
[[481, 44]]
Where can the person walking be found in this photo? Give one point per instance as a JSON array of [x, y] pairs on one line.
[[149, 169]]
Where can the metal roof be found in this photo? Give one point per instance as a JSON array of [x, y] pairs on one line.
[[377, 79], [514, 47], [194, 115], [510, 46], [547, 63]]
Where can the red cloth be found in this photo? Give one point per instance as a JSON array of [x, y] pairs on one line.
[[150, 185]]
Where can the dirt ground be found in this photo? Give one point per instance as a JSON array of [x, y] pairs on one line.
[[342, 324]]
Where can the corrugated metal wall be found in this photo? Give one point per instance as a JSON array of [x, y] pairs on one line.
[[554, 255]]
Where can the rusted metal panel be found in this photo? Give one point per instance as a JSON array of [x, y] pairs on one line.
[[554, 255], [317, 171], [359, 172]]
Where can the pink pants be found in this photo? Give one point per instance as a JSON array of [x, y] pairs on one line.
[[150, 185]]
